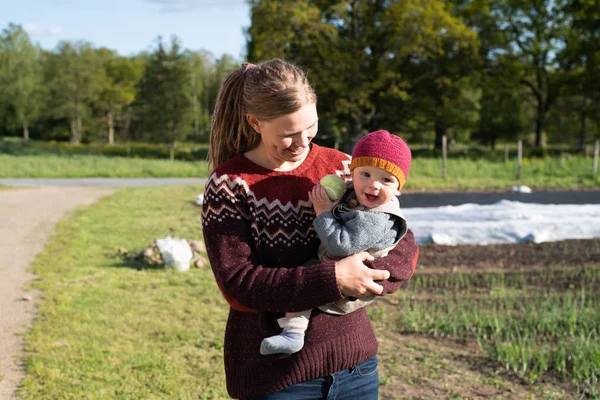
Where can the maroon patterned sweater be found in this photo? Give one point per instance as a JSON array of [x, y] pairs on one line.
[[257, 227]]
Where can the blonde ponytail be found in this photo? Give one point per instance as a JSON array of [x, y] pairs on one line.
[[230, 133]]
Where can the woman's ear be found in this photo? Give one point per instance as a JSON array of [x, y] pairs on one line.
[[254, 123]]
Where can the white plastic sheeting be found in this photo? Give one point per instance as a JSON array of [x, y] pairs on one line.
[[503, 222]]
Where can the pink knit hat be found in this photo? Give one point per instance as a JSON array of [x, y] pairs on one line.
[[383, 150]]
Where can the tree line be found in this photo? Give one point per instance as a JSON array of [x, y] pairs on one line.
[[475, 71], [85, 94]]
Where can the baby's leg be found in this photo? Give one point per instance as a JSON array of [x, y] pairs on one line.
[[291, 339]]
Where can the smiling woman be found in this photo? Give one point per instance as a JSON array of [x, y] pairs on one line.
[[284, 140], [257, 220]]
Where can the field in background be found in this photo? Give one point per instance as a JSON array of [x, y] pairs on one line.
[[83, 166], [110, 327], [465, 169]]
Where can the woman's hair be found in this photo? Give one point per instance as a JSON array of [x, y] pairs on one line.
[[266, 91]]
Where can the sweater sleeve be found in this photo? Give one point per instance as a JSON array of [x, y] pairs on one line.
[[247, 284], [400, 262], [359, 232]]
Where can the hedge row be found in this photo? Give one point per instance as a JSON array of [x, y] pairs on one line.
[[183, 152], [199, 152]]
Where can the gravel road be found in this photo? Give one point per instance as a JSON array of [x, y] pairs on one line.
[[28, 217]]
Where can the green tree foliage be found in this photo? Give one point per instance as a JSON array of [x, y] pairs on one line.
[[207, 73], [164, 107], [20, 77], [484, 70], [372, 62], [581, 60], [502, 115], [201, 69], [442, 67], [534, 32], [118, 88], [75, 77]]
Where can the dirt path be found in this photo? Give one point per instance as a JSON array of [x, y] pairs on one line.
[[27, 219]]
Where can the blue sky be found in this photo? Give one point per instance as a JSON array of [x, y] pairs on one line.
[[131, 26]]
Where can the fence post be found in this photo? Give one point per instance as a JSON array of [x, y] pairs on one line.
[[595, 162], [444, 155], [519, 158], [506, 153]]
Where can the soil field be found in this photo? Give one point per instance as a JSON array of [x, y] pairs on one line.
[[425, 365]]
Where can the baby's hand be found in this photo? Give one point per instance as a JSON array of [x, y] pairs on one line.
[[320, 200]]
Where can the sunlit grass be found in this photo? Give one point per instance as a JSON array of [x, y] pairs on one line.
[[425, 173], [88, 166], [573, 172], [110, 328]]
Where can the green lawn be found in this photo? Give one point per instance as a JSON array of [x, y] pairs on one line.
[[92, 166], [112, 328], [559, 172], [425, 173], [109, 328]]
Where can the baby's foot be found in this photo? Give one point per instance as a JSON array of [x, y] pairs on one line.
[[285, 342]]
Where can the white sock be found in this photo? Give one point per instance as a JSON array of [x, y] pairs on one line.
[[291, 340]]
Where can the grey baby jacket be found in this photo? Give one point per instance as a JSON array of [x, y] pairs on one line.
[[350, 228]]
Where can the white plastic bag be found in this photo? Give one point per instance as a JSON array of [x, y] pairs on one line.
[[521, 189], [175, 253]]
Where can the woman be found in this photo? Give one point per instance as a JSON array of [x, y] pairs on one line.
[[257, 225]]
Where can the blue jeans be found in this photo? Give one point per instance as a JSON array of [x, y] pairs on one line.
[[360, 382]]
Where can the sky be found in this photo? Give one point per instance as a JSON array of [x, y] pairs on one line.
[[131, 26]]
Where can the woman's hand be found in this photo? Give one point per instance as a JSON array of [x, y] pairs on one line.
[[320, 200], [356, 279]]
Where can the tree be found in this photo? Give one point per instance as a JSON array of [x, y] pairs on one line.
[[223, 65], [75, 75], [502, 114], [207, 73], [581, 59], [20, 76], [164, 105], [535, 32], [118, 88], [442, 68], [358, 53]]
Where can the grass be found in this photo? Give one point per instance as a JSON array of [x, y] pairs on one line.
[[110, 328], [462, 173], [558, 172], [536, 323], [90, 166]]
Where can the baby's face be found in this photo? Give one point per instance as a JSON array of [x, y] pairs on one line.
[[374, 186]]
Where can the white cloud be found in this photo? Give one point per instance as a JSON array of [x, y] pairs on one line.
[[36, 30], [188, 5]]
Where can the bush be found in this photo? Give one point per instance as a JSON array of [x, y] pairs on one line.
[[183, 152]]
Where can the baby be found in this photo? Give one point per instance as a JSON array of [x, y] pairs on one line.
[[367, 218]]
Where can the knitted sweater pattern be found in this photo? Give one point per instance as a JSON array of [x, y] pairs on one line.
[[258, 231]]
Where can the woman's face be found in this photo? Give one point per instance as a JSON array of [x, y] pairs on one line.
[[284, 140], [373, 186]]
